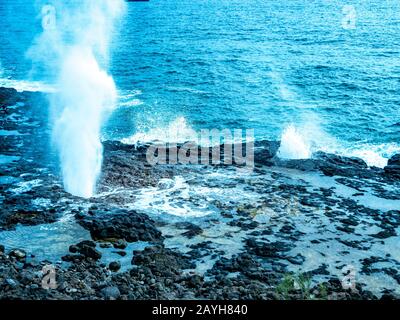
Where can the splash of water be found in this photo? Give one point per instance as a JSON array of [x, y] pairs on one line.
[[73, 51], [373, 154], [176, 131], [293, 145]]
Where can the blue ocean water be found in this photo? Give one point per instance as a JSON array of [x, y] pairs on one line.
[[245, 64]]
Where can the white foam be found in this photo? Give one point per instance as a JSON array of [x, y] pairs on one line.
[[373, 155], [300, 142], [294, 145], [163, 199], [25, 85], [26, 186], [178, 131], [130, 99]]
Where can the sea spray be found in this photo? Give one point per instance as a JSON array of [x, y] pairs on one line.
[[73, 52], [293, 145]]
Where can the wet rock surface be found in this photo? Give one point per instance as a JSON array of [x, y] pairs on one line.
[[321, 228], [118, 225]]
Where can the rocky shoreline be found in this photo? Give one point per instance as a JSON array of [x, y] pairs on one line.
[[290, 229]]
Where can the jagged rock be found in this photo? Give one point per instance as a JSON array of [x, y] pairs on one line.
[[18, 254], [265, 151], [192, 229], [394, 160], [117, 224], [120, 244], [8, 97], [393, 166], [162, 260], [86, 248]]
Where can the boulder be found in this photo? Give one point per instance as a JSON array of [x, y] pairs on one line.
[[394, 160], [20, 255], [118, 224], [86, 248], [265, 151], [393, 167], [114, 266]]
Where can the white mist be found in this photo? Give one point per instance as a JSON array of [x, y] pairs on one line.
[[87, 94], [293, 145], [73, 49]]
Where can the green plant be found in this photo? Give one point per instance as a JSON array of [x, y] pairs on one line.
[[299, 284]]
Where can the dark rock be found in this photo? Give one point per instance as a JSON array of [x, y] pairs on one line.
[[161, 260], [331, 165], [12, 214], [195, 281], [394, 160], [297, 259], [268, 250], [114, 266], [265, 151], [393, 170], [126, 165], [20, 255], [298, 164], [393, 166], [192, 229], [117, 224], [73, 248], [120, 244], [387, 233], [8, 97], [73, 257], [86, 248]]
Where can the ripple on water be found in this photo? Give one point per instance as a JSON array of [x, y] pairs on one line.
[[47, 241], [5, 159]]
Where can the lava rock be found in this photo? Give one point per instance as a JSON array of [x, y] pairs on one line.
[[265, 151], [86, 248], [120, 244], [268, 250], [8, 97], [20, 255], [393, 166], [162, 260], [117, 224], [114, 266], [394, 160]]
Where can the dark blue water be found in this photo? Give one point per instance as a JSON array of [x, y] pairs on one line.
[[246, 64]]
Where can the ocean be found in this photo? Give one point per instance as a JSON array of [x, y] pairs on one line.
[[249, 64]]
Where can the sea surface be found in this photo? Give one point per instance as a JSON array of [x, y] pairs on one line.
[[251, 64]]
